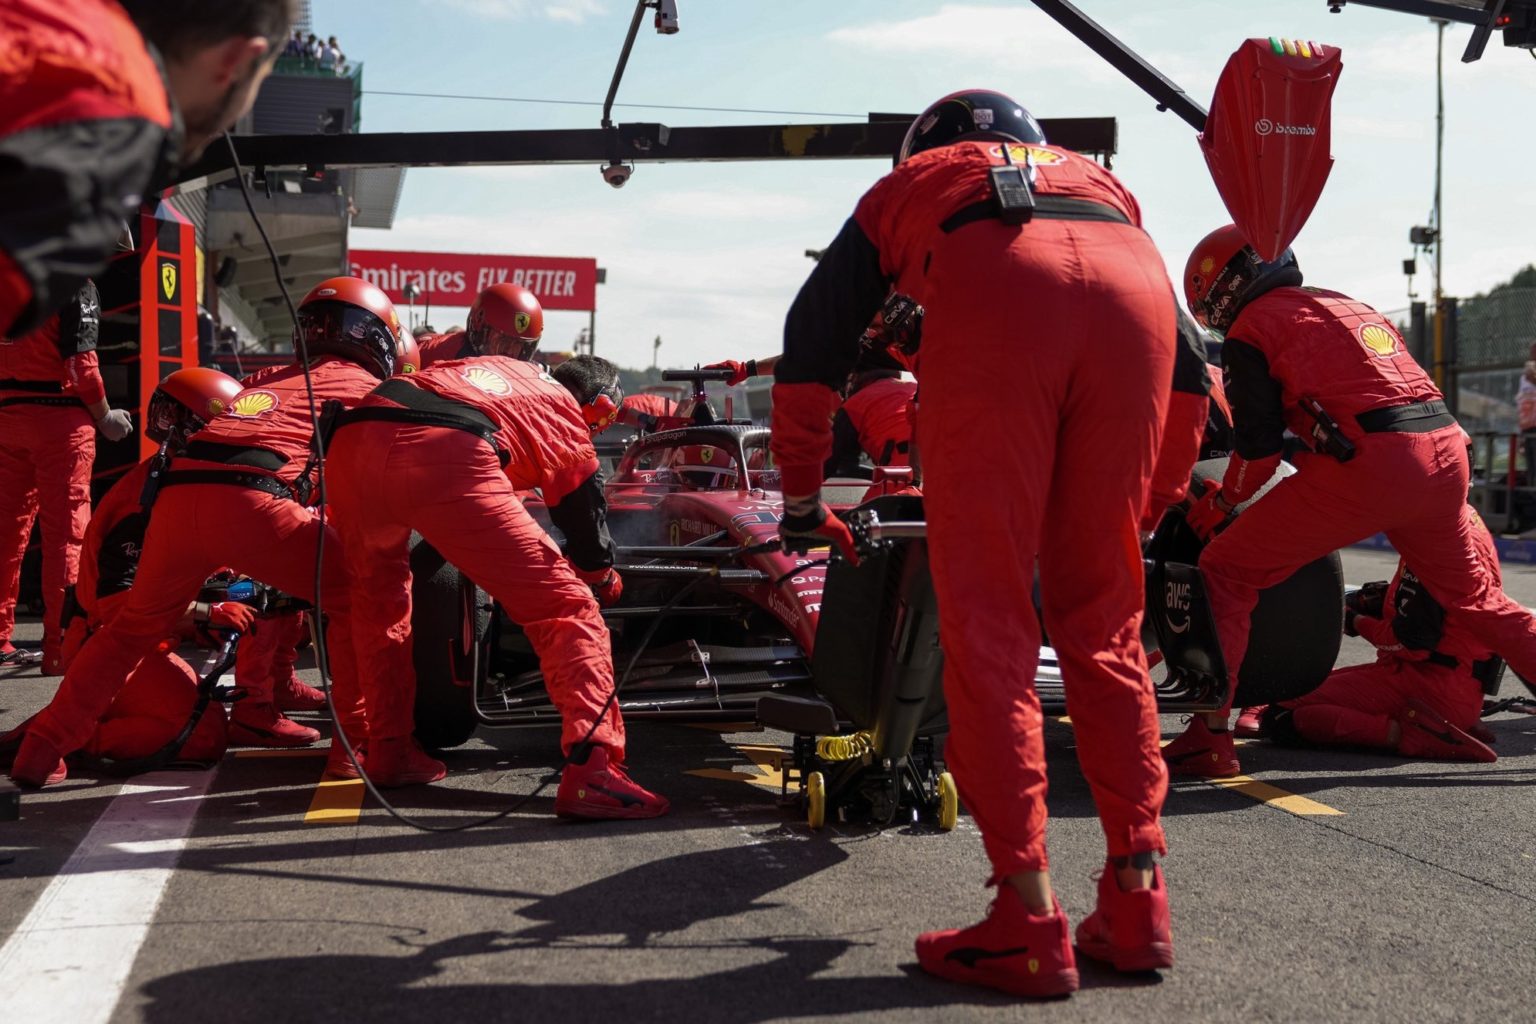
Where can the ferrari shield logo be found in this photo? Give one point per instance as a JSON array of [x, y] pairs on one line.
[[521, 322], [168, 280], [706, 454]]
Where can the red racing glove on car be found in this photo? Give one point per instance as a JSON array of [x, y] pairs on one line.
[[1244, 477], [807, 522], [1208, 512], [230, 615], [606, 584], [739, 371]]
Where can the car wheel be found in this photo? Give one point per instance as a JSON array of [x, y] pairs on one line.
[[450, 628]]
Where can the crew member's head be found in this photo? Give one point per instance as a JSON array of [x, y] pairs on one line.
[[595, 383], [423, 331], [506, 320], [971, 114], [185, 401], [216, 56], [350, 318], [407, 356], [1224, 274]]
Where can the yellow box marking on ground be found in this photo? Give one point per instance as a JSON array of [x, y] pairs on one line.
[[769, 761], [336, 802], [289, 752], [1274, 796]]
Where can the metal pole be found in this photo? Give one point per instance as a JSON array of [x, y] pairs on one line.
[[592, 331], [1440, 374], [618, 71]]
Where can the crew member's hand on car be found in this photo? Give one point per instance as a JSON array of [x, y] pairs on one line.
[[739, 371], [1208, 511], [810, 524], [606, 584], [232, 615]]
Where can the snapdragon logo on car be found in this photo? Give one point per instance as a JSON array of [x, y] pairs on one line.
[[1264, 126]]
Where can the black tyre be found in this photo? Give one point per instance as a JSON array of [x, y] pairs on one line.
[[450, 628], [1296, 627]]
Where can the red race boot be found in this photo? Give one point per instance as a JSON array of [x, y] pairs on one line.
[[1203, 753], [262, 725], [1427, 734], [400, 761], [298, 696], [1130, 930], [1011, 949], [37, 764], [1249, 722], [338, 766], [593, 788]]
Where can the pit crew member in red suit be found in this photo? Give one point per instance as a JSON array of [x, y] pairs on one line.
[[1422, 696], [443, 452], [98, 102], [1187, 425], [237, 498], [50, 396], [1384, 455], [1091, 312], [647, 410], [181, 405], [505, 316]]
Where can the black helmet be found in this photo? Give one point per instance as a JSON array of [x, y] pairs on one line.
[[971, 114]]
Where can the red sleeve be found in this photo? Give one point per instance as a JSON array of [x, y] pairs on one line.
[[1183, 432], [82, 375]]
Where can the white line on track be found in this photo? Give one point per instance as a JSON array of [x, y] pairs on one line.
[[70, 958]]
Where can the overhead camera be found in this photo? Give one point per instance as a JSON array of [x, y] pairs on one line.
[[666, 17], [616, 174]]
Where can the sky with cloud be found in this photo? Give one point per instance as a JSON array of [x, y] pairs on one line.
[[708, 256]]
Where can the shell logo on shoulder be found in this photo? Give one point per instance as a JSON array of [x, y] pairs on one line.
[[487, 380], [1034, 154], [1378, 340], [253, 403]]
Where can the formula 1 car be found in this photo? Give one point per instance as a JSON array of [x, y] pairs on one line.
[[718, 623]]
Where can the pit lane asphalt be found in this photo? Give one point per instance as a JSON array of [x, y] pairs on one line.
[[1417, 902]]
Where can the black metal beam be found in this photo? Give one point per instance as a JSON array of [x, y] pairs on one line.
[[1126, 61], [878, 140], [1427, 8]]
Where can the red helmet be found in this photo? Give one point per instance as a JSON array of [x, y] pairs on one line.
[[506, 320], [970, 114], [407, 355], [350, 318], [185, 402], [1224, 273]]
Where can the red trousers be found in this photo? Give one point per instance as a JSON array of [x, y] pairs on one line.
[[194, 530], [1356, 706], [153, 708], [1413, 487], [387, 479], [1086, 342], [266, 658], [46, 453]]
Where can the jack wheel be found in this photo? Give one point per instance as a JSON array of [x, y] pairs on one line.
[[815, 800], [949, 802]]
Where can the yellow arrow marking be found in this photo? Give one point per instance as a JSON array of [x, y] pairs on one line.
[[336, 802], [1274, 796], [768, 760]]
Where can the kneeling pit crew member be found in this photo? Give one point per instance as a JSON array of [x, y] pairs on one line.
[[444, 452], [1422, 696], [1016, 250], [237, 498], [1384, 454]]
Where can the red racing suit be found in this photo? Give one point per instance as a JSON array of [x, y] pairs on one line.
[[1187, 423], [158, 696], [439, 348], [227, 502], [1421, 653], [1407, 476], [875, 419], [443, 452], [1076, 313], [86, 130], [47, 446]]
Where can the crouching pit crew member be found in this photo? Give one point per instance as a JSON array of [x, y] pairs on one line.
[[443, 452], [505, 317], [978, 209], [1422, 696], [158, 696], [1384, 454], [237, 498]]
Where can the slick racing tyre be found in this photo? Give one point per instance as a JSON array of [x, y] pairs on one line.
[[450, 628], [1296, 627]]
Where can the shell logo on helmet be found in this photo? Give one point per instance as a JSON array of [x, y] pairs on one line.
[[253, 403], [489, 381], [215, 406], [1378, 340]]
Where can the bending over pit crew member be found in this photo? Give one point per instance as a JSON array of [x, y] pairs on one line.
[[1094, 319], [1384, 455], [506, 317], [239, 499]]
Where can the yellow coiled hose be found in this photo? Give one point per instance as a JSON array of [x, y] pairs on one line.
[[845, 748]]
